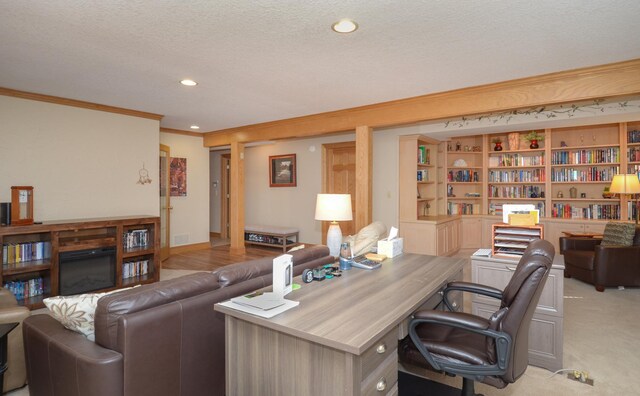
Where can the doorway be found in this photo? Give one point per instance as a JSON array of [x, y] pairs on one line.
[[339, 177], [165, 201]]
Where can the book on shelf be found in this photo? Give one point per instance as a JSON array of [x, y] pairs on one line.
[[13, 253], [135, 238]]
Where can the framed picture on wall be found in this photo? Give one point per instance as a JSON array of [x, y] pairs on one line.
[[178, 177], [282, 170]]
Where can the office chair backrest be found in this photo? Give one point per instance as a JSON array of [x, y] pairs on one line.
[[519, 300]]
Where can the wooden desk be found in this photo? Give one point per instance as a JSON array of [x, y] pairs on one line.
[[342, 338]]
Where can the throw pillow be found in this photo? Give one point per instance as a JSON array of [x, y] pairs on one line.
[[618, 234], [77, 312]]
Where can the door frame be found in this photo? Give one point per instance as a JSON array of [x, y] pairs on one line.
[[165, 251], [225, 163]]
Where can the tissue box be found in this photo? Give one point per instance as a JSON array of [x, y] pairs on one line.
[[390, 248]]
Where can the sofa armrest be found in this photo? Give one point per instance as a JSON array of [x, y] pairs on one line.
[[63, 362], [16, 374], [617, 265], [578, 243]]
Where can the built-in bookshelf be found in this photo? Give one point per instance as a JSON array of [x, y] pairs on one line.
[[32, 254], [419, 190], [633, 161], [516, 173], [464, 175]]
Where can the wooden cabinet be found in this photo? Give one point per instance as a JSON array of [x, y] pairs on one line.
[[546, 331], [439, 236], [471, 232], [554, 229], [31, 254]]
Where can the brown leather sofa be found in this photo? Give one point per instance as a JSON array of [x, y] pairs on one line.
[[602, 266], [159, 339], [11, 312]]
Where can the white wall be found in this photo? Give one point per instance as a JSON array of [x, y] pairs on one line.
[[82, 163], [190, 215]]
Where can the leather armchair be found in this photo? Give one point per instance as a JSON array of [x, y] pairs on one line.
[[602, 266], [11, 312], [493, 351]]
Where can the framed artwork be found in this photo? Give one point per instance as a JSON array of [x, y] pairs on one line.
[[282, 170], [178, 177]]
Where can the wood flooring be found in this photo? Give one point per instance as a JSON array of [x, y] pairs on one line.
[[215, 257]]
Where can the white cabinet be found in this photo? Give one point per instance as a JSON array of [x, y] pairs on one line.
[[545, 332]]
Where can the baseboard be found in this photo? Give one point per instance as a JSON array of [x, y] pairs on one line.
[[188, 248], [215, 235]]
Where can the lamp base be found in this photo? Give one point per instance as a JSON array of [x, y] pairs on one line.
[[334, 239]]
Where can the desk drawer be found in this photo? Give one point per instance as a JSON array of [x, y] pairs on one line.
[[383, 379], [374, 356]]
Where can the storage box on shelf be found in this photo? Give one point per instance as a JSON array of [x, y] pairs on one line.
[[584, 160], [31, 253], [516, 175], [465, 164]]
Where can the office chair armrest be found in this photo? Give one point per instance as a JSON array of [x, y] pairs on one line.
[[457, 319], [468, 322], [470, 288]]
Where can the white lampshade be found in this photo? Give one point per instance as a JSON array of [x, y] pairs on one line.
[[333, 207], [625, 184]]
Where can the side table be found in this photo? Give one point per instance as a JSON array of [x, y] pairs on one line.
[[5, 329]]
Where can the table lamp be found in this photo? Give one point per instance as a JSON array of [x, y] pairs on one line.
[[334, 208], [626, 184]]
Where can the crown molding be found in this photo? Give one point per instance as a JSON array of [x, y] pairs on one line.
[[78, 103]]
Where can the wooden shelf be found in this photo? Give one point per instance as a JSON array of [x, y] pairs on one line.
[[35, 302], [464, 152], [535, 151], [69, 244], [141, 251], [454, 182], [425, 165], [426, 182], [516, 167], [138, 280], [464, 198], [579, 148], [585, 165], [615, 200], [507, 183], [25, 267], [582, 182], [464, 167], [515, 199]]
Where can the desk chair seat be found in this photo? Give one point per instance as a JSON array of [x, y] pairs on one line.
[[494, 350]]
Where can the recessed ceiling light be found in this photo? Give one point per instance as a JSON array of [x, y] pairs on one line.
[[189, 83], [194, 127], [344, 26]]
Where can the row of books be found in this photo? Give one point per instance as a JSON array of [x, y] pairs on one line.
[[132, 269], [463, 208], [423, 175], [593, 156], [25, 289], [523, 191], [634, 154], [532, 175], [633, 136], [464, 175], [584, 174], [26, 251], [424, 155], [516, 160], [496, 208], [135, 239], [593, 211]]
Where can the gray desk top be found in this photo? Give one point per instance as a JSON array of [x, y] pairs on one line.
[[351, 312]]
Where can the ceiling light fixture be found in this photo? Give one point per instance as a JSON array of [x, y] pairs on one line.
[[194, 127], [344, 26], [188, 83]]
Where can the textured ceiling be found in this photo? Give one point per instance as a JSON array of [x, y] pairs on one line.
[[262, 60]]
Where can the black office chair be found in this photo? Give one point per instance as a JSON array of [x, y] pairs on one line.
[[493, 351]]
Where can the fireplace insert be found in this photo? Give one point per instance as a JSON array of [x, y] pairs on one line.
[[87, 270]]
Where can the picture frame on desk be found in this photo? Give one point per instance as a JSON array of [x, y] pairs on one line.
[[282, 170]]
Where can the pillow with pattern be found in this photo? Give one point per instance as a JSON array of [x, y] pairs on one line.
[[77, 312], [618, 234]]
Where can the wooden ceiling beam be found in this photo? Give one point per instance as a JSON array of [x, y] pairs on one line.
[[598, 82]]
